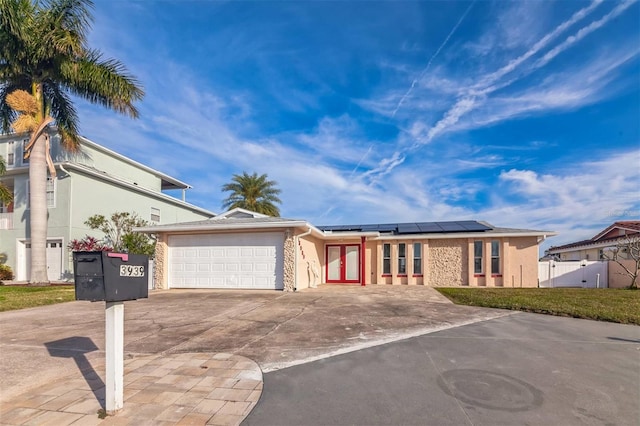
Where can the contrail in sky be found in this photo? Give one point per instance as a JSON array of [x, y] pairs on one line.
[[424, 71]]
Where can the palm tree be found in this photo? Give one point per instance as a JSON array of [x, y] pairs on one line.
[[44, 59], [252, 192], [5, 193]]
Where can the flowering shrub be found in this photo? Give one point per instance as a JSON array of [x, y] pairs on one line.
[[5, 273], [88, 243]]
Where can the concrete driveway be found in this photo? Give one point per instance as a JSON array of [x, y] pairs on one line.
[[273, 328]]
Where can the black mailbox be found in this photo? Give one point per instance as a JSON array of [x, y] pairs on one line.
[[112, 277]]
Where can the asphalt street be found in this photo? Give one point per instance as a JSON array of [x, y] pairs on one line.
[[515, 370]]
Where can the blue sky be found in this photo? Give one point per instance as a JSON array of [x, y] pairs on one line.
[[521, 113]]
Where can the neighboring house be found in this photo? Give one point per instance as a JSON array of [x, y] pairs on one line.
[[243, 249], [95, 180], [597, 247]]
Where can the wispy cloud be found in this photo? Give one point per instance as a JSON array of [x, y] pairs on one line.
[[424, 71]]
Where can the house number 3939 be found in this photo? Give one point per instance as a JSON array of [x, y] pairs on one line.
[[131, 271]]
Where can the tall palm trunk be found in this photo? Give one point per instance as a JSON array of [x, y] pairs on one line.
[[38, 201], [38, 212]]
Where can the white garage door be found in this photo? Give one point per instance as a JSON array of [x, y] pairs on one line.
[[251, 260]]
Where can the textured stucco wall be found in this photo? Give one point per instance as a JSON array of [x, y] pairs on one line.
[[160, 263], [310, 254], [289, 261], [618, 278], [447, 263]]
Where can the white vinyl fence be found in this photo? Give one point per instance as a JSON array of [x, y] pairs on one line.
[[586, 274]]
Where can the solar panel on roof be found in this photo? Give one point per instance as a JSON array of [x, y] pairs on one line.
[[428, 227], [408, 228], [388, 227], [368, 228], [472, 225], [451, 226]]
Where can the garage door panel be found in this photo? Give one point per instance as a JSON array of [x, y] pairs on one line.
[[245, 260]]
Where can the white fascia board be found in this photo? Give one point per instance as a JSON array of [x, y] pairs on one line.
[[215, 226], [328, 235], [465, 235], [136, 188], [121, 157]]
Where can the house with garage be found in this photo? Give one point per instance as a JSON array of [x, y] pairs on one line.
[[243, 249], [95, 180]]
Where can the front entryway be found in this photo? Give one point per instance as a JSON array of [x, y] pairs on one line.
[[54, 260], [343, 263]]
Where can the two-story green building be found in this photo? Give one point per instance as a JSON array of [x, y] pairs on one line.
[[93, 181]]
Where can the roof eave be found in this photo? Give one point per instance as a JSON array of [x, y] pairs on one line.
[[215, 226]]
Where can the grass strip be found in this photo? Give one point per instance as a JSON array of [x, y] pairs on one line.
[[613, 305], [21, 297]]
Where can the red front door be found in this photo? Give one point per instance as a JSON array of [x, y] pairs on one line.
[[343, 263]]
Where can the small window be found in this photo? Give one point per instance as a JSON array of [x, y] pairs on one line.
[[11, 153], [51, 193], [402, 258], [24, 152], [477, 257], [386, 259], [495, 257], [155, 215], [417, 258]]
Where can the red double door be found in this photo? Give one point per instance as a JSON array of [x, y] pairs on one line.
[[343, 263]]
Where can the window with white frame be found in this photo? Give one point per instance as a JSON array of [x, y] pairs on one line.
[[477, 257], [25, 142], [402, 258], [11, 153], [51, 193], [417, 258], [386, 259], [495, 257], [155, 215]]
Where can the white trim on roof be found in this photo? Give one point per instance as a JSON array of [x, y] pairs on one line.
[[214, 225], [229, 213], [107, 177]]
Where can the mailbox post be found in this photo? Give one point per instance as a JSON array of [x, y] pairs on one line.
[[113, 278]]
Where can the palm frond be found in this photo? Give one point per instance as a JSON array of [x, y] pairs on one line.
[[7, 114], [252, 192], [61, 109], [103, 82], [22, 101]]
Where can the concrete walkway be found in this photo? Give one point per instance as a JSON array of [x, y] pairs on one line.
[[183, 389]]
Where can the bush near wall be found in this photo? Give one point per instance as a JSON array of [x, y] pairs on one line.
[[6, 273]]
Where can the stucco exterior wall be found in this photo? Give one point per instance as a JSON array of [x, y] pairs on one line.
[[106, 162], [585, 254], [447, 263], [618, 278], [522, 260], [310, 257]]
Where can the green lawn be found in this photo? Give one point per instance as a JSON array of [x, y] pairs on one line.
[[615, 305], [19, 297]]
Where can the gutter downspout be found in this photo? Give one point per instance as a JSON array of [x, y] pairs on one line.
[[70, 227], [295, 256]]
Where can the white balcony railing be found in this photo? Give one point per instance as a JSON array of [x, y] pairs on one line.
[[6, 220]]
